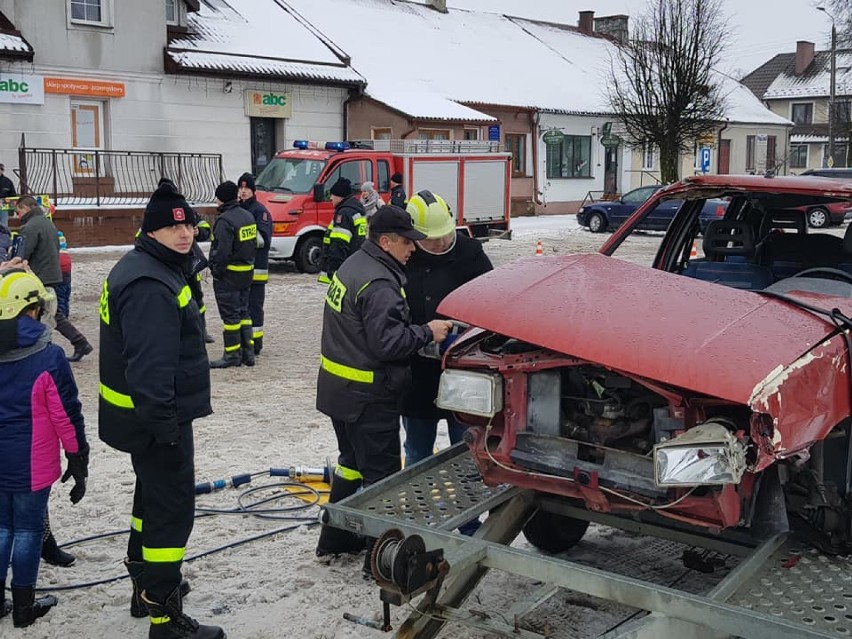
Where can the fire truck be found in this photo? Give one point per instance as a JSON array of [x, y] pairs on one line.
[[472, 176]]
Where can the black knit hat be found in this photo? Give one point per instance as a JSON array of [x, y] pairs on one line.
[[246, 180], [342, 188], [226, 192], [396, 177], [166, 207]]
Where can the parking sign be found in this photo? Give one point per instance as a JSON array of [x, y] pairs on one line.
[[705, 159]]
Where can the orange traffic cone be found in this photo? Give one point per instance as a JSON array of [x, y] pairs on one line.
[[693, 254], [539, 250]]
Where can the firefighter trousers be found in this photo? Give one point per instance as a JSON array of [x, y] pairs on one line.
[[257, 296], [369, 447], [163, 512], [234, 311]]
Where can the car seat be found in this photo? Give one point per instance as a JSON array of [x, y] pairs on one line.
[[734, 239], [787, 253]]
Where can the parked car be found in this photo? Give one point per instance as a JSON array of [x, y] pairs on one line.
[[840, 173], [605, 215], [830, 213], [709, 395]]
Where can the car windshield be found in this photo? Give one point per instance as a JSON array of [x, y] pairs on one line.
[[290, 175]]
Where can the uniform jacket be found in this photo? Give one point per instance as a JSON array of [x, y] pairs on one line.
[[5, 242], [367, 336], [39, 244], [234, 246], [343, 237], [7, 187], [398, 197], [264, 230], [39, 407], [430, 279], [154, 372]]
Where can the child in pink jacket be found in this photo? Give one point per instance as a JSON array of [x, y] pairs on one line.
[[39, 409]]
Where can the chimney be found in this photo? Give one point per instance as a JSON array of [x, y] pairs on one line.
[[613, 26], [587, 22], [438, 5], [804, 56]]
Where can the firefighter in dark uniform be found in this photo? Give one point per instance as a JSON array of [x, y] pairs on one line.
[[232, 263], [257, 294], [398, 196], [367, 342], [345, 232], [154, 381]]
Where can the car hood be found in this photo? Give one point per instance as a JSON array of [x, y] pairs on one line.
[[696, 335]]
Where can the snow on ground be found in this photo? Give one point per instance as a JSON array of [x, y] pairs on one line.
[[265, 417]]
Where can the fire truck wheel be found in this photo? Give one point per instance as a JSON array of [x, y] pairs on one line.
[[554, 533], [308, 254]]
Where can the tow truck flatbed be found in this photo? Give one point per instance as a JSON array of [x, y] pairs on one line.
[[777, 590]]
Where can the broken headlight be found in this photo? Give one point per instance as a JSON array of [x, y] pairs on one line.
[[704, 455], [469, 392]]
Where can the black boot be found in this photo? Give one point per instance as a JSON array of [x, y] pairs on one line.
[[80, 350], [26, 608], [258, 345], [234, 358], [169, 622], [52, 554], [334, 541], [137, 606], [247, 344], [5, 605]]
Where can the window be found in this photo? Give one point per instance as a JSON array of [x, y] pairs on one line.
[[471, 134], [770, 152], [172, 16], [802, 113], [92, 11], [433, 134], [842, 112], [381, 133], [648, 156], [516, 144], [751, 144], [798, 156], [356, 171], [571, 158], [384, 177], [290, 176], [637, 196], [839, 157]]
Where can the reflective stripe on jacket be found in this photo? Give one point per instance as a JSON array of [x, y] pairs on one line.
[[343, 237], [234, 246]]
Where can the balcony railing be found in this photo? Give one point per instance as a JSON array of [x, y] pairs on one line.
[[108, 178]]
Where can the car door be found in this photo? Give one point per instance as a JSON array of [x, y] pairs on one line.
[[629, 202], [660, 218]]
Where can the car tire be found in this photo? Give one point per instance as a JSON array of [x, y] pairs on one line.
[[818, 217], [308, 253], [597, 223], [554, 533]]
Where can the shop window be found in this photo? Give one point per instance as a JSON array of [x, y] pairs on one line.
[[571, 158], [516, 144]]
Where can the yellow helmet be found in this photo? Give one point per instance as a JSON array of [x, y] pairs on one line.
[[431, 215], [20, 289]]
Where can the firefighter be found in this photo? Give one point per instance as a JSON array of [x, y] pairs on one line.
[[367, 341], [154, 381], [232, 263], [260, 277], [345, 232], [398, 196]]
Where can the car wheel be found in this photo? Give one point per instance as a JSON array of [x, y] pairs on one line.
[[597, 223], [554, 533], [818, 217], [307, 255]]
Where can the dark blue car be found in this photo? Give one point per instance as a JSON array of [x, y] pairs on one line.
[[607, 215]]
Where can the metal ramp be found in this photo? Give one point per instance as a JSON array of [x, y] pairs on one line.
[[778, 590]]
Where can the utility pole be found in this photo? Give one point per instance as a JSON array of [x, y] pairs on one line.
[[832, 87]]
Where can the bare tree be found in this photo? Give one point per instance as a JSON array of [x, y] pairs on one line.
[[842, 12], [662, 86]]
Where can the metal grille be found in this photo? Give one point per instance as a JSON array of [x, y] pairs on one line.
[[434, 497], [80, 177], [802, 585]]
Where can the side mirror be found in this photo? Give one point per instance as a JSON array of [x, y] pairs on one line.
[[319, 192]]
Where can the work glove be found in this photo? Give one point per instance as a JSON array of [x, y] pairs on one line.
[[78, 468]]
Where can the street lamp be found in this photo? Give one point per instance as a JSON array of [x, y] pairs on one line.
[[832, 86]]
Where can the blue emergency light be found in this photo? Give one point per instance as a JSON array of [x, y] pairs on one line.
[[336, 146], [300, 144]]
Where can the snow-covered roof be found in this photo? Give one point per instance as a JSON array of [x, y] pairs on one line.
[[743, 107], [9, 42], [815, 81], [257, 37]]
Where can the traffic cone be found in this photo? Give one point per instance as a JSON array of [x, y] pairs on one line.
[[693, 254], [539, 249]]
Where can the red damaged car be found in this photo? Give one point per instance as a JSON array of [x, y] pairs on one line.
[[712, 394]]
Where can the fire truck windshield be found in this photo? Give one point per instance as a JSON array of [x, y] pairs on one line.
[[290, 175]]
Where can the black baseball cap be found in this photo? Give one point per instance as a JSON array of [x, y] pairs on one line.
[[392, 219]]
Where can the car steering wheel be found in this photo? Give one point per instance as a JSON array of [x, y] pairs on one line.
[[828, 273]]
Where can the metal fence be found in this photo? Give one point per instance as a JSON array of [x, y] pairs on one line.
[[430, 146], [105, 177]]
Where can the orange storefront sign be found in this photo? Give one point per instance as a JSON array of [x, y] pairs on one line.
[[72, 86]]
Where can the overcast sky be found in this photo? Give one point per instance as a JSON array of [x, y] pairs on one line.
[[759, 28]]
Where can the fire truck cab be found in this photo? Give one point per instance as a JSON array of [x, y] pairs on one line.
[[472, 176]]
